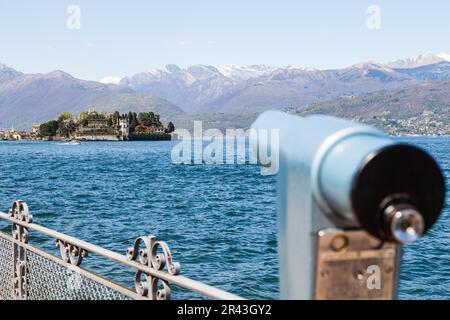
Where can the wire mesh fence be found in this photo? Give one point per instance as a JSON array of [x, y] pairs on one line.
[[30, 273], [6, 269]]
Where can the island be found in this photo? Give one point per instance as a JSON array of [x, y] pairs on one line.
[[97, 126]]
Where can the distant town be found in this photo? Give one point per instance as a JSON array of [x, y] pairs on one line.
[[427, 123], [96, 126]]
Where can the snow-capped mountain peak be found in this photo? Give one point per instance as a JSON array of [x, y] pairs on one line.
[[4, 67], [110, 80], [8, 73], [243, 72], [420, 60], [171, 68], [371, 65], [198, 72], [444, 56]]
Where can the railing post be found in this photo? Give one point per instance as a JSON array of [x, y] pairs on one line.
[[20, 212], [147, 285]]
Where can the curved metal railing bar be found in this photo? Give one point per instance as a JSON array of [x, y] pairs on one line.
[[108, 283], [82, 246]]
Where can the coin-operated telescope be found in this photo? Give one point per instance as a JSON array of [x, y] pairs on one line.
[[348, 197]]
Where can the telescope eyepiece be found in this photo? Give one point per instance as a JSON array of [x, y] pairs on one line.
[[398, 193], [404, 223]]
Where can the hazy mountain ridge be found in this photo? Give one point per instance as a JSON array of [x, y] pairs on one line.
[[420, 109], [297, 87], [220, 95], [7, 73], [203, 89], [26, 99], [435, 72], [188, 88]]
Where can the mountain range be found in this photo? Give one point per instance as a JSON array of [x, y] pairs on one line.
[[205, 89], [423, 109], [216, 93], [26, 99], [420, 109], [427, 97]]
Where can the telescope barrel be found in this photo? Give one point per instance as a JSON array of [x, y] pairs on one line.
[[358, 173], [348, 196]]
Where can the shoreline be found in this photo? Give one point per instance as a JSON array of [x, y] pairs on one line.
[[134, 140], [87, 141]]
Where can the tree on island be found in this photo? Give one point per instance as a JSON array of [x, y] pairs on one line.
[[65, 116], [146, 119], [170, 127], [49, 129], [115, 119], [149, 119], [134, 121], [66, 125], [84, 118]]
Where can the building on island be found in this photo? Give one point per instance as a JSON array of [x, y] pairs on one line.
[[4, 134], [124, 127], [16, 135], [149, 129], [11, 134], [158, 130], [97, 126], [35, 129]]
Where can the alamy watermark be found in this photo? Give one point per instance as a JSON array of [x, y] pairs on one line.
[[73, 21], [231, 146], [374, 278], [374, 19]]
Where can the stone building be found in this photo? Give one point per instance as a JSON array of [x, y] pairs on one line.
[[96, 126], [35, 129], [124, 127]]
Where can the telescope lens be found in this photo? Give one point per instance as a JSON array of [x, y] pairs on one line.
[[398, 193], [406, 225]]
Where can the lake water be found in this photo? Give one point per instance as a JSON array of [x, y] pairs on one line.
[[219, 221]]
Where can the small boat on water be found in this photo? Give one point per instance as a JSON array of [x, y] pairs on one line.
[[74, 142], [71, 143]]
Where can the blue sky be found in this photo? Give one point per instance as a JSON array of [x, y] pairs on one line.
[[120, 38]]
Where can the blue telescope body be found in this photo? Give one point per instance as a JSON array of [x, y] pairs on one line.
[[339, 174]]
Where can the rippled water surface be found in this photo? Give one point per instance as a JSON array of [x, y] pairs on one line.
[[219, 221]]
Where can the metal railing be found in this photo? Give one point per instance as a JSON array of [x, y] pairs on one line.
[[30, 273]]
